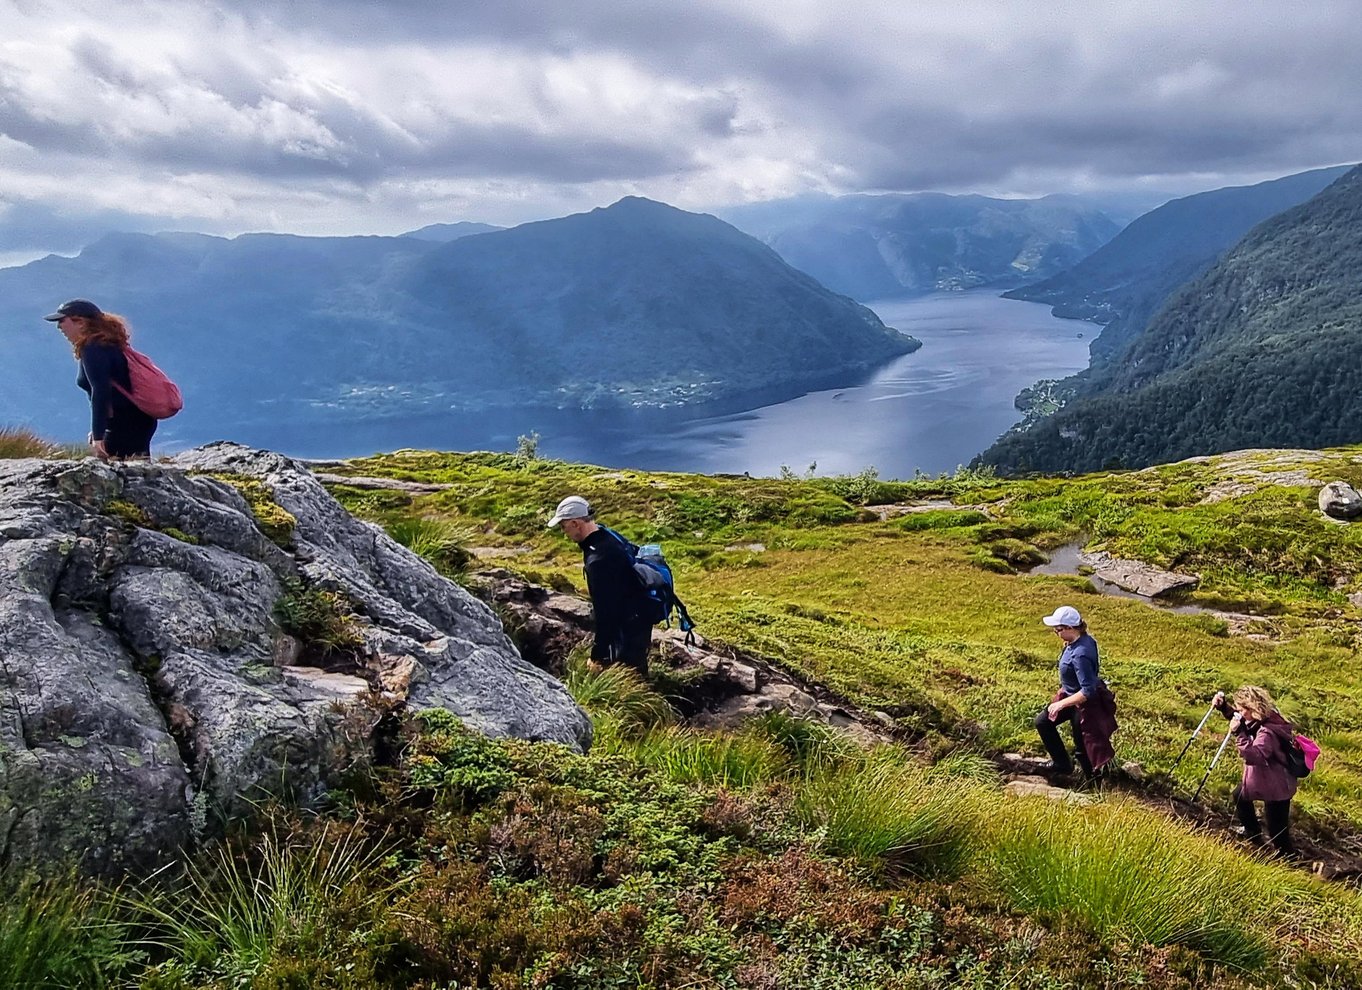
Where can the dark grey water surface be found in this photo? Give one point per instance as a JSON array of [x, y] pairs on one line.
[[930, 410]]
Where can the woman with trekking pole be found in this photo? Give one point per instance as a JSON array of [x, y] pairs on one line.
[[1264, 738], [1083, 700]]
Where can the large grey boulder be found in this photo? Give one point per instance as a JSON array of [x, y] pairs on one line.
[[1340, 500], [147, 689]]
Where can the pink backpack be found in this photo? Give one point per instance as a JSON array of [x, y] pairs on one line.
[[152, 390]]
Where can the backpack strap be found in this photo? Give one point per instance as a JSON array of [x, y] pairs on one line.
[[687, 626]]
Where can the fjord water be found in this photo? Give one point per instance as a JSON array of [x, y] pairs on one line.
[[931, 410]]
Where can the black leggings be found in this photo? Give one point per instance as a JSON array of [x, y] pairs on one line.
[[1278, 815], [1054, 743]]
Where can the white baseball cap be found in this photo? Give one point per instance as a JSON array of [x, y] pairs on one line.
[[1065, 615], [572, 507]]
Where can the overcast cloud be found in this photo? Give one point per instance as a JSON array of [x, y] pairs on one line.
[[331, 116]]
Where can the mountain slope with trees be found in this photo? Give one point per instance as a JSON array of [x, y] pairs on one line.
[[1263, 350], [1124, 282]]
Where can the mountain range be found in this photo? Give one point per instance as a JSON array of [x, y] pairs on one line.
[[637, 304], [1264, 349], [877, 247]]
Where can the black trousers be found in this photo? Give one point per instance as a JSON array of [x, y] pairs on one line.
[[1054, 743], [1278, 815], [632, 646], [129, 435]]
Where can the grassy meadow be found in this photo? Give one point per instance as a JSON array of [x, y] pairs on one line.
[[925, 615]]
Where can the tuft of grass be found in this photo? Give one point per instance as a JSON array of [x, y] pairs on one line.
[[60, 933], [439, 541], [19, 442], [617, 692], [811, 744], [235, 916], [1159, 884], [738, 761], [887, 813]]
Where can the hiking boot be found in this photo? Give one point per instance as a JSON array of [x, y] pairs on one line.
[[1052, 770]]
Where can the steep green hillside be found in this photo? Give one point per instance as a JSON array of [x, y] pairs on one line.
[[1123, 282], [1264, 349], [873, 247]]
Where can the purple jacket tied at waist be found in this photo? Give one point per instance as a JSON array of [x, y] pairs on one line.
[[1097, 721], [1263, 746]]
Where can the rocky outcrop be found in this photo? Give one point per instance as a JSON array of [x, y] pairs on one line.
[[147, 686], [1340, 500]]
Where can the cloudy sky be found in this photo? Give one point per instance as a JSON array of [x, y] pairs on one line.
[[359, 116]]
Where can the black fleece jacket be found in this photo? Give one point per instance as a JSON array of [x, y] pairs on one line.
[[615, 590], [102, 366]]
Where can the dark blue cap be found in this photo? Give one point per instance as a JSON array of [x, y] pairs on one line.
[[76, 307]]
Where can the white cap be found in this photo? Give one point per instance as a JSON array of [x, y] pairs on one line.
[[572, 507], [1065, 615]]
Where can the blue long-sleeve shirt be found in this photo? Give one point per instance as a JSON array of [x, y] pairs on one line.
[[1078, 667]]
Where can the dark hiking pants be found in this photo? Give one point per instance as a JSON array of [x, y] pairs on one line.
[[1278, 815], [1054, 743], [631, 650]]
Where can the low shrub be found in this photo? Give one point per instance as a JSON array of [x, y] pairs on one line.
[[320, 619]]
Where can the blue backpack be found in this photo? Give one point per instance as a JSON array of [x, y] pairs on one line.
[[659, 587]]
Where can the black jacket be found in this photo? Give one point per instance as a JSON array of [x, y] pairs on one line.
[[102, 368], [615, 589]]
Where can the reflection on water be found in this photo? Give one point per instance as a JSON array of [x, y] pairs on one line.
[[931, 410]]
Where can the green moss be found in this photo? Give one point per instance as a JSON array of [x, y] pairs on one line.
[[181, 535], [129, 512], [274, 520]]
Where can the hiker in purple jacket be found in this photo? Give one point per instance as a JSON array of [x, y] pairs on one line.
[[117, 427], [1263, 737], [1083, 700]]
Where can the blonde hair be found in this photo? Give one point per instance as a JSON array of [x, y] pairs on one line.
[[1255, 702]]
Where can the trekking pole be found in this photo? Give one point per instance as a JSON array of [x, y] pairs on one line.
[[1228, 732], [1187, 745]]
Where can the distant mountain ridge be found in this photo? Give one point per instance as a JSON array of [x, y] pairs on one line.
[[875, 247], [443, 232], [1262, 350], [1122, 283], [638, 304]]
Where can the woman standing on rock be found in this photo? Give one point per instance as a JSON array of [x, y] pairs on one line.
[[1083, 700], [1264, 738], [117, 427]]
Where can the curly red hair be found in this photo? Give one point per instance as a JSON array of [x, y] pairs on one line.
[[106, 328]]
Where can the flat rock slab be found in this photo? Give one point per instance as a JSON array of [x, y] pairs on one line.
[[1136, 576], [1033, 787]]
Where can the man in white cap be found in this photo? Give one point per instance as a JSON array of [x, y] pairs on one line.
[[623, 635]]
